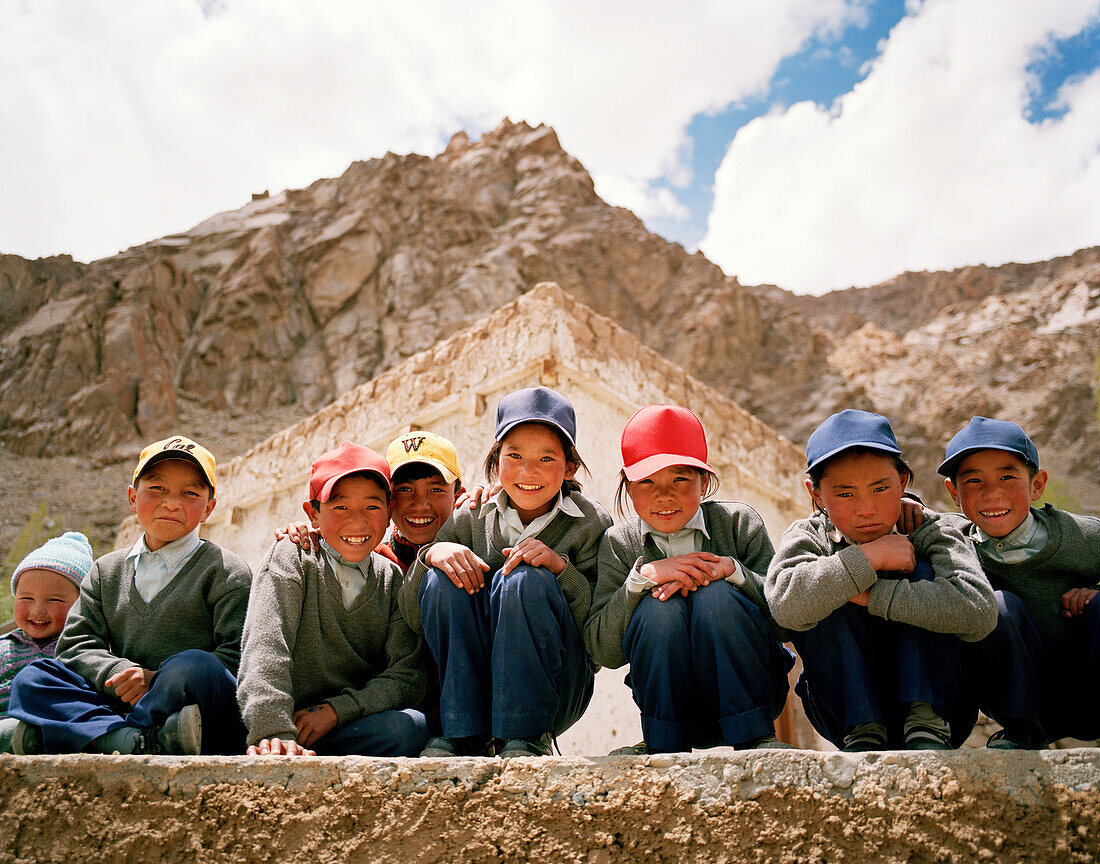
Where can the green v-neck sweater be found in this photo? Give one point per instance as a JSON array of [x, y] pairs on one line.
[[111, 628], [302, 647]]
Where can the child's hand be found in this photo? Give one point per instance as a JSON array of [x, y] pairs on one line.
[[862, 598], [462, 566], [302, 533], [478, 496], [314, 722], [892, 552], [1075, 600], [912, 516], [685, 573], [278, 747], [532, 551], [130, 684]]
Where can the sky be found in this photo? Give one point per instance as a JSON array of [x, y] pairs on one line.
[[812, 144]]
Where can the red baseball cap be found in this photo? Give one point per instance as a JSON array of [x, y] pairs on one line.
[[660, 436], [346, 459]]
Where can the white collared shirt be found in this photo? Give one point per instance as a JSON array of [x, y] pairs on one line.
[[688, 539], [511, 527], [351, 575], [154, 570]]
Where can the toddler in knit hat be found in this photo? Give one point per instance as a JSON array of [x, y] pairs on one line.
[[45, 584]]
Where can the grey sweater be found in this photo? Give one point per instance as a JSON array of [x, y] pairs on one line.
[[735, 530], [575, 538], [301, 647], [111, 628], [812, 575], [1070, 559]]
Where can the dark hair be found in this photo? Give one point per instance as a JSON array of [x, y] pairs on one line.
[[710, 486], [412, 471], [492, 461], [370, 475]]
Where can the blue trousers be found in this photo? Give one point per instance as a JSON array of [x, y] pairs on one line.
[[705, 669], [858, 668], [1019, 677], [387, 733], [71, 713], [511, 661]]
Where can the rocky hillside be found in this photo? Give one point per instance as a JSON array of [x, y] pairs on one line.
[[296, 297]]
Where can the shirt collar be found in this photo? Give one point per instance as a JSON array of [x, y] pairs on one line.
[[173, 554], [337, 558], [695, 523], [565, 503], [1017, 538]]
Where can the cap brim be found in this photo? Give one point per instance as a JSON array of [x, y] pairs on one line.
[[165, 455], [652, 464], [872, 445], [502, 432], [448, 475], [948, 466], [326, 490]]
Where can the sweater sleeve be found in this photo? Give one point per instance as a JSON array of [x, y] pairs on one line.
[[807, 581], [755, 553], [401, 684], [959, 600], [612, 604], [85, 643], [229, 605], [580, 575], [264, 688]]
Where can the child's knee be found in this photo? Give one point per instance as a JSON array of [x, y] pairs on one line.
[[193, 667], [528, 583]]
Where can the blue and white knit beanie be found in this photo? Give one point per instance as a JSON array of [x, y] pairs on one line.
[[70, 555]]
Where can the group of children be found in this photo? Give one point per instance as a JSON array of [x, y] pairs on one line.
[[399, 624]]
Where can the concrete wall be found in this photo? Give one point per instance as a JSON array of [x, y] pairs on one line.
[[794, 806]]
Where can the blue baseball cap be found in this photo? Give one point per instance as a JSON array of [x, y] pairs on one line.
[[536, 405], [982, 433], [848, 429]]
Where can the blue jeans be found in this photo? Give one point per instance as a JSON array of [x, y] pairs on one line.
[[705, 669], [511, 661], [387, 733], [858, 668], [71, 713], [1018, 677]]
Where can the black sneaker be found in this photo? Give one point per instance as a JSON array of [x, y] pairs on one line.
[[1025, 737], [865, 737], [639, 749], [181, 733], [766, 742], [442, 748], [26, 739], [540, 746]]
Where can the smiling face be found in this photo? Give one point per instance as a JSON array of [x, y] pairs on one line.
[[532, 468], [668, 499], [421, 506], [171, 500], [42, 600], [861, 492], [994, 490], [354, 518]]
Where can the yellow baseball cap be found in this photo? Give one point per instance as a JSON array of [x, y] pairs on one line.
[[426, 447], [177, 447]]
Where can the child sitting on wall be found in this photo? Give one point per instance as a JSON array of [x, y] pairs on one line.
[[148, 657], [328, 664]]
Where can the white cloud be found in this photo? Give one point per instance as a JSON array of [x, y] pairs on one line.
[[929, 163], [643, 199], [121, 120]]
